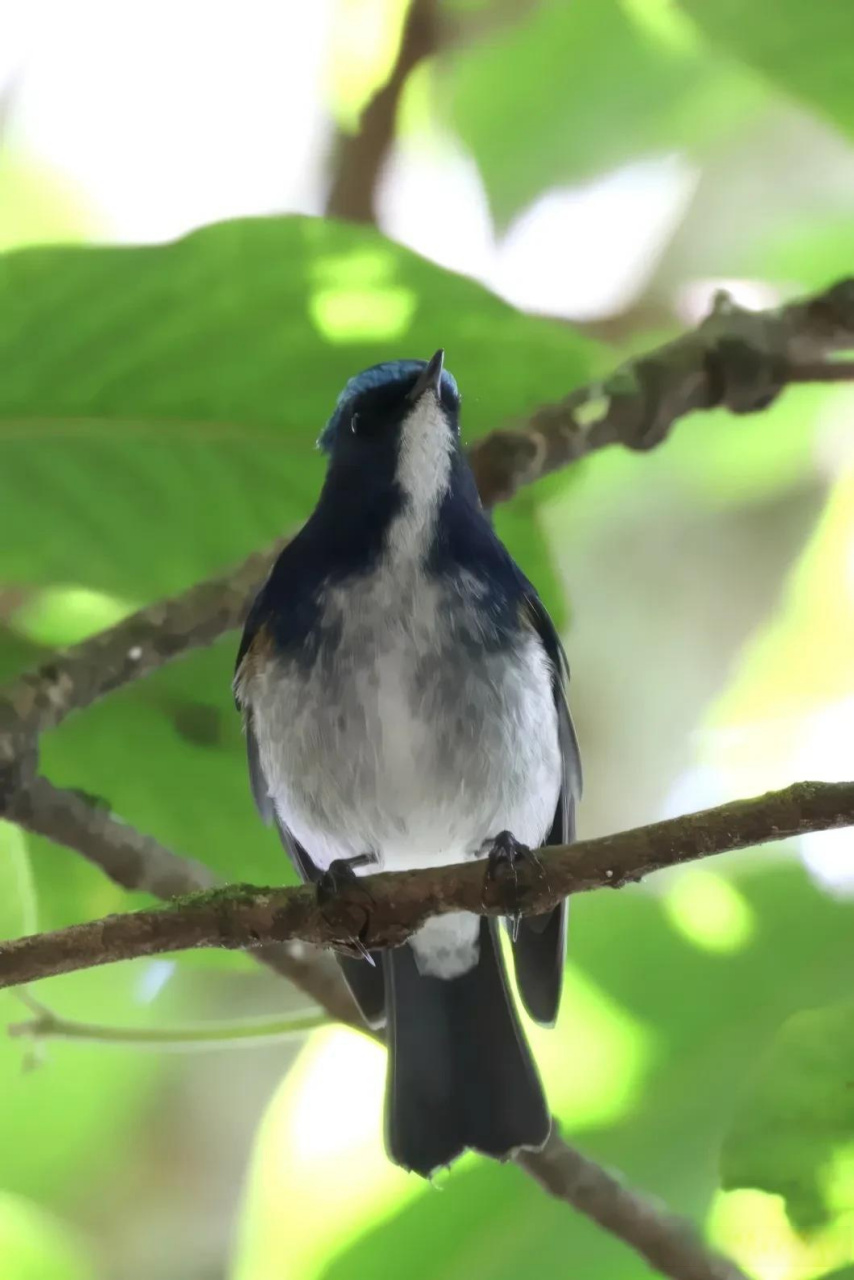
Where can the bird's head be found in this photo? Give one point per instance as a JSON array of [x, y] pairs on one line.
[[381, 406], [398, 424]]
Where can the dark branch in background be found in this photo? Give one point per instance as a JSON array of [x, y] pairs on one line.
[[139, 862], [668, 1243], [736, 359], [147, 640], [360, 157], [384, 910], [129, 858]]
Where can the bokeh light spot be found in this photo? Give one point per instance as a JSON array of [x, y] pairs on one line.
[[63, 615], [320, 1177], [36, 1246], [594, 1061], [709, 911], [355, 315], [752, 1228]]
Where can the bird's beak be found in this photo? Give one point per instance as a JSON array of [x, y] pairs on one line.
[[430, 377]]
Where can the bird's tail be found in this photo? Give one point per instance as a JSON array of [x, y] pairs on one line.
[[460, 1072]]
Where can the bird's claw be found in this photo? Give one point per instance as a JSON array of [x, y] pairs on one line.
[[505, 855], [339, 882]]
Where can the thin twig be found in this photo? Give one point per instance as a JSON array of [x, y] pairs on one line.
[[248, 1032], [390, 907]]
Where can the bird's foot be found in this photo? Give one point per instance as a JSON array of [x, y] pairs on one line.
[[504, 856], [340, 884]]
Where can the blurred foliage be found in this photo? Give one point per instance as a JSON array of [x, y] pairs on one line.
[[805, 50], [158, 410], [587, 86], [793, 1134], [811, 254]]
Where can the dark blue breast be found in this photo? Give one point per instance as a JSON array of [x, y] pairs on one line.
[[344, 539]]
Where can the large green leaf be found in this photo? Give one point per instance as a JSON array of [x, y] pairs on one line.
[[575, 89], [793, 1134], [804, 46], [159, 405]]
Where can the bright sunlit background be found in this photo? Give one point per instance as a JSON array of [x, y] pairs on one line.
[[606, 162]]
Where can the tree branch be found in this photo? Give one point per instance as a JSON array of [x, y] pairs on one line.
[[138, 862], [361, 156], [735, 359], [129, 858], [147, 640], [386, 909], [668, 1243]]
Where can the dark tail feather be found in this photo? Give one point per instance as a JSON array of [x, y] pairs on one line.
[[460, 1073], [539, 954]]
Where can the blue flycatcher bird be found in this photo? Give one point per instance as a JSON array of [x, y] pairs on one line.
[[404, 696]]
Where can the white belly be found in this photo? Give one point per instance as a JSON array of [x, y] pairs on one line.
[[403, 743]]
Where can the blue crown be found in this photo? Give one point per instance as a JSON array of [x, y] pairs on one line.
[[379, 375]]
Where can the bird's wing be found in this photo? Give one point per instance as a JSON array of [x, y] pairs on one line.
[[539, 949], [253, 642], [365, 981]]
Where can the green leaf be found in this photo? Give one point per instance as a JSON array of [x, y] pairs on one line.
[[76, 1113], [793, 1134], [811, 252], [159, 405], [573, 90], [805, 48], [18, 906], [168, 756]]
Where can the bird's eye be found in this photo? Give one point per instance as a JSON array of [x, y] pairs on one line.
[[354, 423]]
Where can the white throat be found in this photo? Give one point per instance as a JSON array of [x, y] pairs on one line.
[[423, 473]]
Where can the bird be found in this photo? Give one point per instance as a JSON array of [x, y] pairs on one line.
[[404, 698]]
